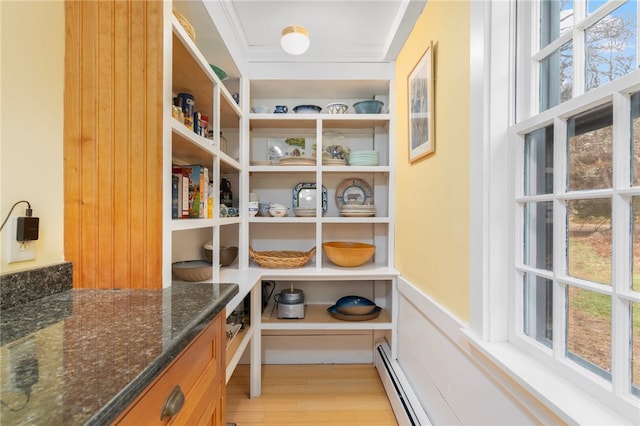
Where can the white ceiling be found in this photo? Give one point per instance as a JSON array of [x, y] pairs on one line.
[[339, 30]]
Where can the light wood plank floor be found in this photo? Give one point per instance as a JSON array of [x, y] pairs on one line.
[[334, 394]]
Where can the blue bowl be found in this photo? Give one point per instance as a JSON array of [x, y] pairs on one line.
[[369, 106], [307, 109], [355, 305]]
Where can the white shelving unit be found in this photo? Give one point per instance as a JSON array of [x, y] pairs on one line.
[[248, 138], [299, 340], [188, 71], [275, 183]]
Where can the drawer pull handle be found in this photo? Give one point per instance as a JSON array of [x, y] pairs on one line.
[[173, 404]]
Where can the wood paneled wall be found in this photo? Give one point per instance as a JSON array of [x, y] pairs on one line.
[[113, 143]]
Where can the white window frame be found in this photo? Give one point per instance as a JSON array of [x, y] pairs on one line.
[[495, 318]]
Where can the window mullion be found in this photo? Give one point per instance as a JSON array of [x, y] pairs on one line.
[[534, 66], [621, 245], [559, 237], [517, 323], [578, 62], [580, 12]]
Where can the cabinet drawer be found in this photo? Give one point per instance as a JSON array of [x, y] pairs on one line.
[[210, 410], [198, 364]]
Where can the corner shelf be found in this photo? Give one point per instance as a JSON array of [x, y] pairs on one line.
[[317, 318]]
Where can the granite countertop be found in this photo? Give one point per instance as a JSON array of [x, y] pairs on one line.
[[82, 356]]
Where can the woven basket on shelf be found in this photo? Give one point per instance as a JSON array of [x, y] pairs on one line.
[[191, 32], [282, 258]]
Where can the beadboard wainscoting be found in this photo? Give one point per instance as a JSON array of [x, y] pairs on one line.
[[454, 383]]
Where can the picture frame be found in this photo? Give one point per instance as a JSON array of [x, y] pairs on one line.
[[421, 107]]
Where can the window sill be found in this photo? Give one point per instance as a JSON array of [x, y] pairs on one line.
[[561, 397]]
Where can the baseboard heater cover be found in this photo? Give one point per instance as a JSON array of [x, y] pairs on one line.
[[406, 406]]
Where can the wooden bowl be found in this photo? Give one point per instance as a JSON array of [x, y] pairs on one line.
[[228, 255], [348, 254]]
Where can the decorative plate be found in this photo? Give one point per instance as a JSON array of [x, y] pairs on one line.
[[354, 191], [304, 196]]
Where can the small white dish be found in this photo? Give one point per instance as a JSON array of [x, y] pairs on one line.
[[260, 109], [277, 212]]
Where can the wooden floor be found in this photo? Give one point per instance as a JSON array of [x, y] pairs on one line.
[[334, 394]]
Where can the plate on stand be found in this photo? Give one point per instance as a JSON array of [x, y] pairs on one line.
[[305, 195], [354, 191]]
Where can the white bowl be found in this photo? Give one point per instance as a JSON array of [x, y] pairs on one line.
[[278, 212], [337, 108], [259, 109], [277, 206]]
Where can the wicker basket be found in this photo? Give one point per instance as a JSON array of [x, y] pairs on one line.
[[282, 259], [191, 32]]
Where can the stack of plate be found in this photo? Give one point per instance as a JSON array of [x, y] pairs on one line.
[[334, 161], [297, 161], [364, 158], [356, 210]]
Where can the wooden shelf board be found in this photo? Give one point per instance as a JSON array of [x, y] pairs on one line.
[[309, 121], [188, 77], [317, 318], [191, 223], [188, 147], [235, 343]]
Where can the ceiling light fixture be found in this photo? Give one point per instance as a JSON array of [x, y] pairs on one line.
[[295, 40]]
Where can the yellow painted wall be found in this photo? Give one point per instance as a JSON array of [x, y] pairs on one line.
[[31, 114], [432, 198]]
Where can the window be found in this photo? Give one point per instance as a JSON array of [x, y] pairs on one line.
[[577, 206], [583, 44]]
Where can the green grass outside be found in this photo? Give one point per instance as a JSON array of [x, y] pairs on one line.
[[586, 263]]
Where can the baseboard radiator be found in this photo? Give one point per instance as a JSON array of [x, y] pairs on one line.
[[406, 406]]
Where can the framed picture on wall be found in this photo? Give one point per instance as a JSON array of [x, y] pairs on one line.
[[421, 111]]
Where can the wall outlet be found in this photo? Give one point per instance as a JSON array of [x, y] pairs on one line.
[[18, 251]]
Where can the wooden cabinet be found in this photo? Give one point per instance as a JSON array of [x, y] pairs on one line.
[[197, 376]]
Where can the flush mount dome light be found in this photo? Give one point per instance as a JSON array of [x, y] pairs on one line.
[[295, 40]]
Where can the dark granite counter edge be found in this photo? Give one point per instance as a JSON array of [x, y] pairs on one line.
[[128, 394], [21, 287]]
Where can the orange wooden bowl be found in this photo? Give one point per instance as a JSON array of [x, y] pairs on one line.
[[348, 254]]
